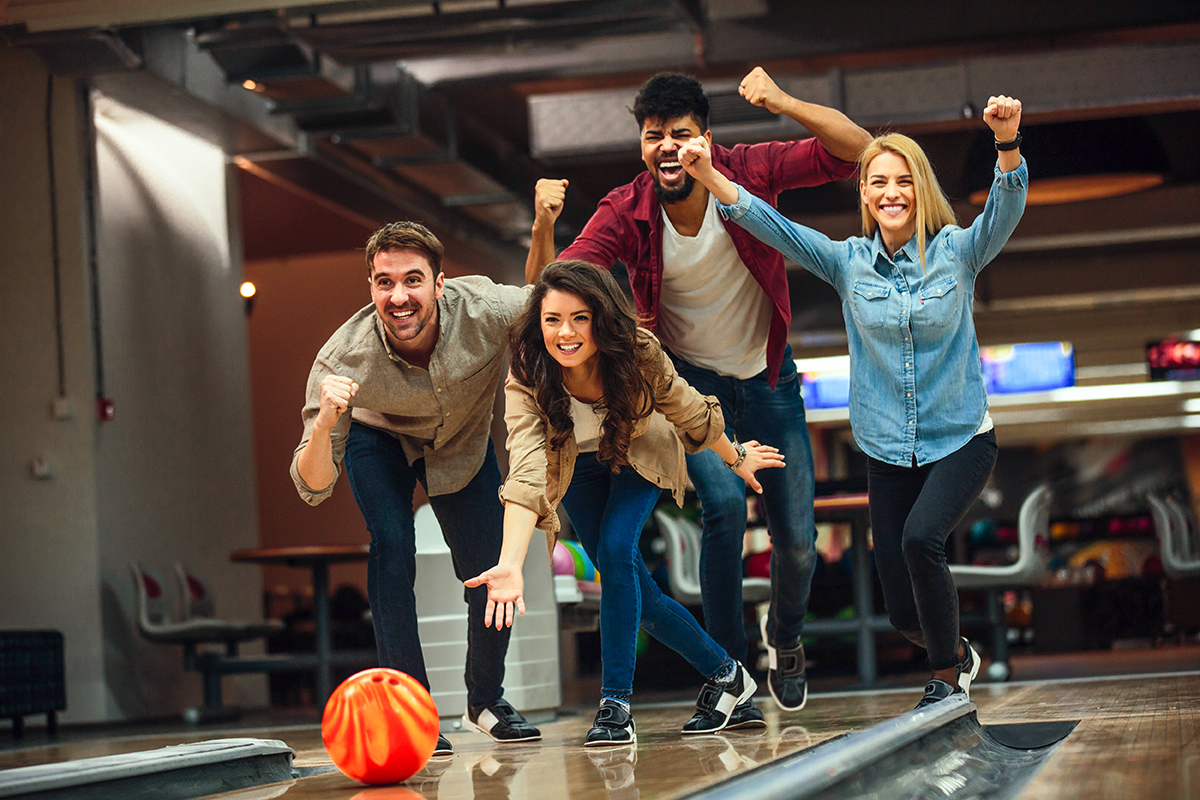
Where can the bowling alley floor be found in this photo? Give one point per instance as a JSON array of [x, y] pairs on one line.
[[1137, 738]]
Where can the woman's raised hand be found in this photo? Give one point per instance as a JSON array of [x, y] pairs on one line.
[[1003, 116], [506, 587], [758, 456]]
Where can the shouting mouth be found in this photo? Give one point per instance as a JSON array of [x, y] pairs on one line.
[[670, 170]]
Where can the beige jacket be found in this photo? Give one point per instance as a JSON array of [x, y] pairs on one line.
[[539, 475]]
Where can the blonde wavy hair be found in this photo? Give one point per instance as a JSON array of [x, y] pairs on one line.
[[933, 210]]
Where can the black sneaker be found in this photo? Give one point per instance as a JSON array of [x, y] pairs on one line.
[[746, 715], [937, 690], [613, 726], [442, 748], [717, 701], [968, 668], [785, 673], [502, 722]]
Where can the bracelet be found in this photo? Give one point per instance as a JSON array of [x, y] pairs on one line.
[[1013, 145], [741, 451]]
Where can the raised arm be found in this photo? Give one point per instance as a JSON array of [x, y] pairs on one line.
[[836, 132], [809, 248], [1003, 116], [981, 241], [315, 463], [548, 198]]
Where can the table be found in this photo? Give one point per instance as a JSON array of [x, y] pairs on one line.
[[852, 508], [317, 558]]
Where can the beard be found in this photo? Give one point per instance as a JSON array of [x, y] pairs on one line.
[[682, 192]]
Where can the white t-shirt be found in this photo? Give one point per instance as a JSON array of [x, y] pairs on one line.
[[587, 425], [712, 313]]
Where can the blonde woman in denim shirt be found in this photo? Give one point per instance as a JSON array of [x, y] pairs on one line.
[[917, 402]]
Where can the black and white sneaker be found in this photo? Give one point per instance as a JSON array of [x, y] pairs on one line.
[[786, 680], [442, 748], [746, 715], [937, 690], [968, 668], [717, 701], [613, 726], [502, 722]]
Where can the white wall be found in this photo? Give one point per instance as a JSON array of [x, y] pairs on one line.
[[171, 477], [175, 467], [49, 550]]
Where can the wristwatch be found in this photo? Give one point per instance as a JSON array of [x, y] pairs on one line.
[[1011, 145], [741, 451]]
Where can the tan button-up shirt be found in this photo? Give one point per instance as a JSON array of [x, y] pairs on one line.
[[538, 475], [443, 414]]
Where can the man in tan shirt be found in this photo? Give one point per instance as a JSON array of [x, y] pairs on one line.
[[417, 370]]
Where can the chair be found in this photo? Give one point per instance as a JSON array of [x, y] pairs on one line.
[[1179, 548], [1033, 522], [683, 563], [1177, 537], [155, 625]]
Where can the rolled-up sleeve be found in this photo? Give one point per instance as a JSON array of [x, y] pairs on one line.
[[526, 482], [697, 418], [338, 436]]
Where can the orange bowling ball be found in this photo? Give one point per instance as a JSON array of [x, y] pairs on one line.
[[380, 726]]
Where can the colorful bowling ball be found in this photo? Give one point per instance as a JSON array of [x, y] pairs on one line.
[[562, 562], [585, 570], [380, 726]]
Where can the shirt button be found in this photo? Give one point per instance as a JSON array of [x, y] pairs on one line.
[[439, 388], [908, 395]]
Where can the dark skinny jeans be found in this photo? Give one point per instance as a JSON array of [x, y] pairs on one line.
[[913, 511]]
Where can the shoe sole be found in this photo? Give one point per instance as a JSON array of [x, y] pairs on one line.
[[747, 692], [632, 741], [750, 723], [965, 680], [468, 724], [762, 626]]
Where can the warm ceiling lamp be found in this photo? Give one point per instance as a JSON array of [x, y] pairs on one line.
[[1074, 188]]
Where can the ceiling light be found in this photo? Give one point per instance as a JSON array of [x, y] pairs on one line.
[[1076, 188]]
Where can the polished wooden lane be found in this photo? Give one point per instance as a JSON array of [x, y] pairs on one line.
[[1137, 736], [1137, 739]]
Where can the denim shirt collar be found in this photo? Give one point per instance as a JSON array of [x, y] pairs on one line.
[[909, 249]]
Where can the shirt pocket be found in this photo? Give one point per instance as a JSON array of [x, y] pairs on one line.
[[869, 304], [939, 304]]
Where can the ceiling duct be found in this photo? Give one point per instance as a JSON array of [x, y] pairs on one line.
[[1081, 82], [84, 52]]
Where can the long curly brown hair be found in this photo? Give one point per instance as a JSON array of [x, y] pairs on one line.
[[628, 395]]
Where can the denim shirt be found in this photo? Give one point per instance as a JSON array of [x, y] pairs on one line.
[[916, 384]]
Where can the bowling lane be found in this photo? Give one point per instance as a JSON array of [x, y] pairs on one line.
[[664, 764], [1137, 739]]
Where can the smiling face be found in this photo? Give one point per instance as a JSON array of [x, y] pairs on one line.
[[890, 197], [567, 329], [405, 294], [661, 141]]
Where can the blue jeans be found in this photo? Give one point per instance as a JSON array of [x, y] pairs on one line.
[[608, 511], [913, 511], [472, 521], [773, 417]]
